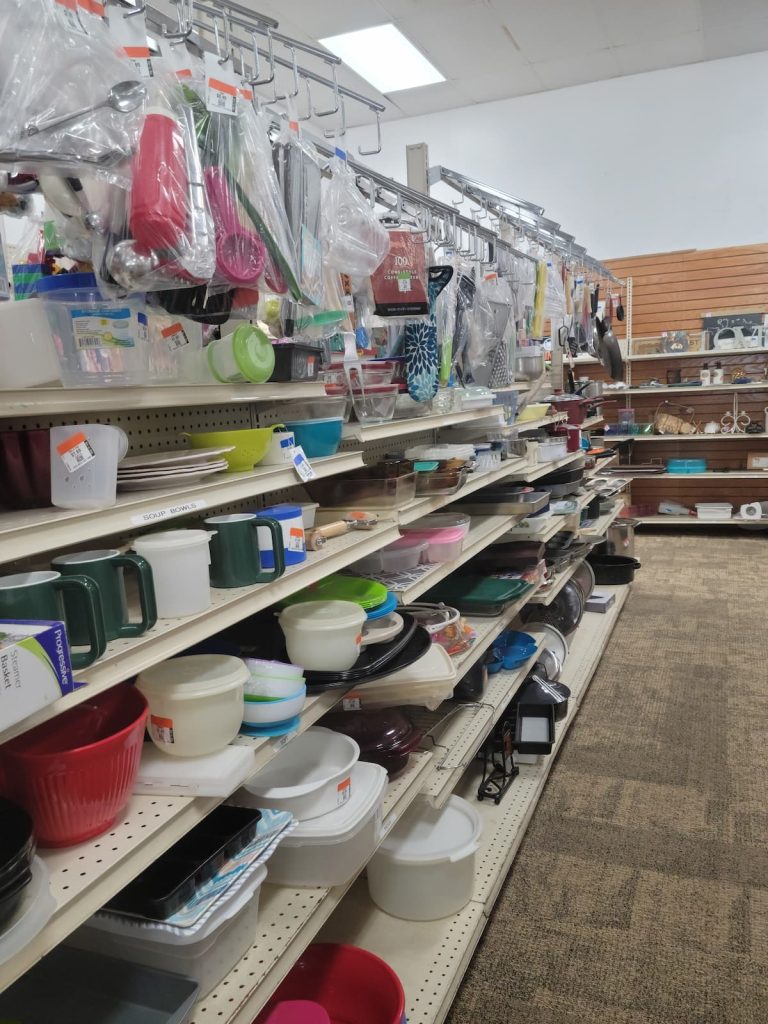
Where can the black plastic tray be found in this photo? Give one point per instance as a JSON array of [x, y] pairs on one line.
[[416, 647], [174, 878]]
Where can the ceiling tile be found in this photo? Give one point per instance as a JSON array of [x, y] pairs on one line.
[[577, 69], [628, 21], [558, 28], [461, 41], [659, 53], [408, 8], [718, 12], [332, 17], [497, 85], [428, 98], [736, 38]]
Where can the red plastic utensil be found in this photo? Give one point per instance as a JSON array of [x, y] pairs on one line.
[[240, 254], [160, 184], [74, 774]]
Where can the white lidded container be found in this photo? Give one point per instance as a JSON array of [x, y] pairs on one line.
[[324, 636], [425, 868], [310, 776], [425, 684], [206, 952], [332, 849], [551, 451], [714, 510], [84, 460], [180, 561], [195, 703]]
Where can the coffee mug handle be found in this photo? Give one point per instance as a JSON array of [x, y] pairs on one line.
[[143, 571], [278, 548], [97, 634]]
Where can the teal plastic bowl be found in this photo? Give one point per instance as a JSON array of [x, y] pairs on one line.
[[318, 438]]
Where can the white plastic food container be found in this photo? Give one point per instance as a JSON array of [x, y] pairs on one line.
[[441, 545], [714, 510], [400, 555], [311, 776], [425, 684], [27, 353], [276, 709], [424, 869], [324, 636], [84, 460], [180, 561], [206, 953], [195, 703], [332, 849]]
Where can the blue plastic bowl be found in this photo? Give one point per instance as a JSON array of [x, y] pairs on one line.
[[514, 648], [318, 438]]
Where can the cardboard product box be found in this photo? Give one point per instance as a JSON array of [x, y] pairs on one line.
[[35, 667]]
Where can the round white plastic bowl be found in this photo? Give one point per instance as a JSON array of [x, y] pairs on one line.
[[275, 689], [269, 712], [273, 669], [310, 776]]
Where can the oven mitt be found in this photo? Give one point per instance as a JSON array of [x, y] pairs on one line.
[[422, 356]]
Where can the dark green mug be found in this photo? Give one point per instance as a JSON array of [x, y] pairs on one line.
[[235, 560], [106, 568], [40, 596]]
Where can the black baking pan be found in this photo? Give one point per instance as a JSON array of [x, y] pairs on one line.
[[613, 569], [175, 877]]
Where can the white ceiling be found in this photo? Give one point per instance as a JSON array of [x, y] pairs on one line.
[[494, 49]]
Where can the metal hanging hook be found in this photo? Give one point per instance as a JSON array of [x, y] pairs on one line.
[[227, 54], [256, 80], [140, 8], [329, 133], [308, 115], [336, 97], [373, 152], [295, 73], [459, 202], [185, 17]]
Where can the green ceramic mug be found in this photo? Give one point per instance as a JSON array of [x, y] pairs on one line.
[[40, 596], [106, 568], [235, 560]]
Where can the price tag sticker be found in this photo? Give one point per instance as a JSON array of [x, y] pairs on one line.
[[403, 281], [296, 540], [343, 791], [280, 741], [301, 464], [68, 13], [351, 704], [221, 87], [75, 452], [175, 336]]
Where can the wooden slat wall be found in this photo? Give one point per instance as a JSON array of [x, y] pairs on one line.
[[673, 290]]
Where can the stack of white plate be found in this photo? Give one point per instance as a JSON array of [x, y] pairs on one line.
[[164, 469]]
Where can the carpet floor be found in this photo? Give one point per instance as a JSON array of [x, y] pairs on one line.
[[640, 892]]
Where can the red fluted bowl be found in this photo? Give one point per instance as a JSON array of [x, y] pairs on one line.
[[75, 773]]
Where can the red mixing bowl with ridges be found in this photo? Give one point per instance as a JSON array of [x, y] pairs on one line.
[[75, 773]]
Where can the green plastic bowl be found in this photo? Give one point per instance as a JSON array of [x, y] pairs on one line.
[[249, 446]]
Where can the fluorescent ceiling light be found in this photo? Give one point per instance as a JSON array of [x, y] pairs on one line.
[[384, 57]]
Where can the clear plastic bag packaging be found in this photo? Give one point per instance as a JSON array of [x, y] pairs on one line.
[[353, 239], [299, 170], [69, 100], [160, 233]]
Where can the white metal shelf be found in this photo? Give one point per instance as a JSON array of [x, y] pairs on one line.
[[546, 597], [543, 421], [399, 428], [695, 521], [599, 526], [545, 468], [487, 631], [464, 727], [592, 421], [430, 957], [483, 530], [705, 389], [523, 532], [601, 465], [712, 353], [41, 401], [125, 658], [685, 438], [712, 474], [289, 918], [48, 529]]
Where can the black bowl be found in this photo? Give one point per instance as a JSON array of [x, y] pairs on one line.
[[17, 841], [11, 897]]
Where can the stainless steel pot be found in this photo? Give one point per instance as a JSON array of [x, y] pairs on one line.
[[594, 389], [620, 537]]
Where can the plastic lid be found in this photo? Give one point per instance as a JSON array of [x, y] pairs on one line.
[[368, 594], [253, 353], [382, 731], [196, 675], [369, 783], [410, 540], [443, 536], [439, 522], [66, 282], [281, 512], [176, 539], [425, 835], [321, 614]]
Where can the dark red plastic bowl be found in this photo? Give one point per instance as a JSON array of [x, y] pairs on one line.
[[74, 774], [352, 985]]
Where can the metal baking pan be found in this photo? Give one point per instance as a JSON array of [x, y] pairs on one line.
[[499, 504]]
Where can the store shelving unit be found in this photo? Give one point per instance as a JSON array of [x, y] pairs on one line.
[[431, 957], [49, 529], [525, 532], [546, 597], [685, 438], [698, 389], [695, 521], [289, 918], [511, 469], [399, 428], [545, 468], [598, 528], [591, 422], [79, 401], [544, 421]]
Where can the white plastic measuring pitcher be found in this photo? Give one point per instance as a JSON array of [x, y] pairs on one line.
[[179, 560], [84, 462]]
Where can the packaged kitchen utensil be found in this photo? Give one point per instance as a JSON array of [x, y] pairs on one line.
[[400, 282], [354, 242]]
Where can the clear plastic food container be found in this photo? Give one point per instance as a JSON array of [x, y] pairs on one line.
[[439, 521], [441, 545], [405, 553], [376, 404]]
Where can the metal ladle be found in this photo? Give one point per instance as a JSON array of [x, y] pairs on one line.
[[122, 97]]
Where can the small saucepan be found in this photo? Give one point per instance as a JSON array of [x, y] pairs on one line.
[[613, 569]]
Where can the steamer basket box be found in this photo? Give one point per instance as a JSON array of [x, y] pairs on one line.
[[35, 669]]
